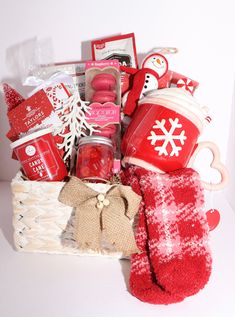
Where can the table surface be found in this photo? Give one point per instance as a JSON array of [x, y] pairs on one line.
[[66, 286]]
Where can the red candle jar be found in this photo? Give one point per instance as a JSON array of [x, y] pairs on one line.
[[40, 157], [95, 159]]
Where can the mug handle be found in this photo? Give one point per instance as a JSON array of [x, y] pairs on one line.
[[215, 164]]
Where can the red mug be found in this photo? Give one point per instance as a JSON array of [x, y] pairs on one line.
[[40, 157], [163, 134]]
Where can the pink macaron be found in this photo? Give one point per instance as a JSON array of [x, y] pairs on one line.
[[107, 131], [103, 81], [103, 96]]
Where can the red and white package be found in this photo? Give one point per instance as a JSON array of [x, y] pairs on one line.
[[41, 110], [36, 111], [58, 94], [121, 48], [184, 82]]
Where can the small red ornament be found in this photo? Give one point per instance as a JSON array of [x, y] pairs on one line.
[[213, 218], [11, 96]]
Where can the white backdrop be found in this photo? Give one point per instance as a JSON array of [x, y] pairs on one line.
[[201, 30]]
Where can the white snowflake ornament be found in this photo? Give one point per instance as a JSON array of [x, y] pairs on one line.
[[168, 137]]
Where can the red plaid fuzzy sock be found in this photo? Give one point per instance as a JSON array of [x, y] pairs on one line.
[[143, 281], [176, 233]]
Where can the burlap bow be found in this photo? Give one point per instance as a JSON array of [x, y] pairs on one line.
[[109, 213]]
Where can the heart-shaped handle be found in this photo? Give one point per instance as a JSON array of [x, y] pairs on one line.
[[215, 164]]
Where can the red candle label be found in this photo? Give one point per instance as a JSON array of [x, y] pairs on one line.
[[37, 159]]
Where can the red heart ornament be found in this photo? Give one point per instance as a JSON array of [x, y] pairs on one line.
[[213, 218]]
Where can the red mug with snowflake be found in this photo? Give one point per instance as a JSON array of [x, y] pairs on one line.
[[163, 134], [39, 156]]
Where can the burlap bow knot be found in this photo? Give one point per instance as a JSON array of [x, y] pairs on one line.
[[97, 213]]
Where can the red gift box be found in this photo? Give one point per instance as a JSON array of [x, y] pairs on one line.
[[35, 111]]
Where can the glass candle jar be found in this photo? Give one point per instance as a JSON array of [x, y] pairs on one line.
[[40, 157], [95, 159]]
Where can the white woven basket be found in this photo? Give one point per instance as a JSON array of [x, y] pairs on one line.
[[42, 223]]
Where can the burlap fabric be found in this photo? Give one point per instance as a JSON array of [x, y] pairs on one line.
[[110, 213]]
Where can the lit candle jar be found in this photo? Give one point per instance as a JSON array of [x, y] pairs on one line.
[[95, 159], [40, 157]]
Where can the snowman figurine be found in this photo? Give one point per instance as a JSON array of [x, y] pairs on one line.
[[154, 67]]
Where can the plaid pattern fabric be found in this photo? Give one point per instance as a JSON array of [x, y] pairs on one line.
[[172, 233]]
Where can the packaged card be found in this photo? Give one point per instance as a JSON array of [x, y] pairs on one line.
[[121, 48]]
